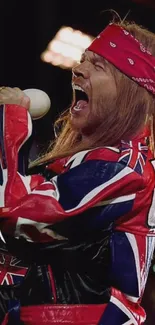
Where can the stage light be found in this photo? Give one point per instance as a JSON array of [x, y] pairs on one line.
[[66, 47]]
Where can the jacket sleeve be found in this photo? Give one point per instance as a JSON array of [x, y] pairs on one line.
[[30, 204], [131, 256]]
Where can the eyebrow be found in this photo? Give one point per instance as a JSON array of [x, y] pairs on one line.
[[93, 59]]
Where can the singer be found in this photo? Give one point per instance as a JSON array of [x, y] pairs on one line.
[[88, 233]]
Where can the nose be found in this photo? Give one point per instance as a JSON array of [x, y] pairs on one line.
[[80, 70]]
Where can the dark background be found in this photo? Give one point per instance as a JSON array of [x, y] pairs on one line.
[[26, 27]]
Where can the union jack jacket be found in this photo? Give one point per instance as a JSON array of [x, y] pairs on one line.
[[95, 216]]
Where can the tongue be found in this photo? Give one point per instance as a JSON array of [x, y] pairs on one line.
[[81, 104]]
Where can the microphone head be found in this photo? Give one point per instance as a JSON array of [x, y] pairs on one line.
[[40, 103]]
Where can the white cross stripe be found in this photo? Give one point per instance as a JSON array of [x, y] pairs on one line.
[[2, 187], [126, 311], [133, 244], [79, 156], [50, 193], [26, 182], [120, 199], [88, 197]]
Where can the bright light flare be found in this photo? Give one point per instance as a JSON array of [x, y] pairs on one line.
[[66, 48]]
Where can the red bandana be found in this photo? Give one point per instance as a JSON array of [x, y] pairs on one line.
[[125, 52]]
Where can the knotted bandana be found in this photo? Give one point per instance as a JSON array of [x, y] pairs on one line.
[[127, 54]]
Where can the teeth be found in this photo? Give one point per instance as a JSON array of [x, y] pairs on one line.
[[76, 108], [76, 87]]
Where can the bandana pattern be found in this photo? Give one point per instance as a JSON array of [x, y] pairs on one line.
[[127, 54]]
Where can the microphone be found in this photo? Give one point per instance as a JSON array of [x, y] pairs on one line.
[[40, 102], [39, 106]]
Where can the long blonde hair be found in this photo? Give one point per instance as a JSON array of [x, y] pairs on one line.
[[135, 105]]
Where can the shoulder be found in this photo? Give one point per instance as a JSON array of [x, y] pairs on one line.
[[100, 159], [103, 153], [104, 162]]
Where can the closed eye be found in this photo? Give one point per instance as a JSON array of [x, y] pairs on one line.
[[99, 66], [98, 63]]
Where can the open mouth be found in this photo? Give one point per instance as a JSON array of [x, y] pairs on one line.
[[81, 98]]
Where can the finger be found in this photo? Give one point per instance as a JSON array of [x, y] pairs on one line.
[[14, 95], [19, 92], [14, 91], [6, 95], [2, 87], [11, 93], [16, 88], [25, 102], [5, 91], [8, 89]]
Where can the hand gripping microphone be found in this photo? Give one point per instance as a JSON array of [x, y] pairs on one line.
[[39, 103]]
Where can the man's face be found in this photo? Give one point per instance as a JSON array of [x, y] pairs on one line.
[[94, 90]]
